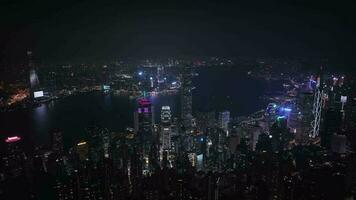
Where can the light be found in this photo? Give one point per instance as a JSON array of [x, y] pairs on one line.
[[140, 73], [166, 108], [12, 139], [274, 105], [151, 78], [38, 94], [270, 136], [144, 102], [201, 139], [343, 99], [280, 117], [174, 82], [287, 109], [81, 143]]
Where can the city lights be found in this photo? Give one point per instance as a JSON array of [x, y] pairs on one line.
[[193, 100], [81, 143], [12, 139]]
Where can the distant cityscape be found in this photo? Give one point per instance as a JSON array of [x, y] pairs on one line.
[[299, 146]]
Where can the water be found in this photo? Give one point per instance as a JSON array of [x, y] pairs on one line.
[[216, 89]]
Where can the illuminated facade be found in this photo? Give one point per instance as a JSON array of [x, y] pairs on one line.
[[166, 115], [33, 77], [224, 119], [144, 119], [166, 129]]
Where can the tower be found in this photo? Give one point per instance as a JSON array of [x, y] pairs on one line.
[[144, 119], [33, 81], [186, 97], [224, 119], [57, 142], [317, 106], [166, 127]]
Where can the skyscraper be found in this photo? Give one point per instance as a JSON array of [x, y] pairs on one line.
[[166, 115], [32, 72], [166, 127], [186, 97], [224, 119], [144, 119], [57, 142]]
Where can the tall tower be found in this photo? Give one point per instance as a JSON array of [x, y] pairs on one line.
[[166, 129], [224, 119], [317, 106], [186, 97], [144, 119], [34, 81], [57, 142]]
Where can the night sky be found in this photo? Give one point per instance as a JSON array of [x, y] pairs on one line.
[[89, 31]]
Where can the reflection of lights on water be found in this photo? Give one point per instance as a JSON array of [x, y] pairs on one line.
[[107, 99], [40, 116], [41, 111]]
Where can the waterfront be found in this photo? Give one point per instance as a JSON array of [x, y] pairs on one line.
[[74, 113]]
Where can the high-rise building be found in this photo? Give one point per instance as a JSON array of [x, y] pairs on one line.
[[305, 116], [82, 150], [166, 129], [16, 171], [34, 81], [144, 119], [186, 97], [166, 115], [332, 124], [224, 119], [57, 142]]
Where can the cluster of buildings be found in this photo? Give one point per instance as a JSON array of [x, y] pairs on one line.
[[300, 147]]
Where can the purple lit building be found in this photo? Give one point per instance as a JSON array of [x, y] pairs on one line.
[[144, 119]]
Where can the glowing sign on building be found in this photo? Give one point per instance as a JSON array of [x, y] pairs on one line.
[[12, 139], [106, 87], [38, 94], [144, 102], [81, 143]]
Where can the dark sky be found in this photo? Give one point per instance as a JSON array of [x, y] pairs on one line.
[[77, 30]]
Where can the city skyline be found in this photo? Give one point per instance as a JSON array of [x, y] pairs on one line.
[[200, 100]]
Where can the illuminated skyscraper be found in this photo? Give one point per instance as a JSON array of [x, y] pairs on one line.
[[34, 81], [305, 116], [144, 119], [186, 97], [166, 129], [224, 119], [166, 115], [82, 150]]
